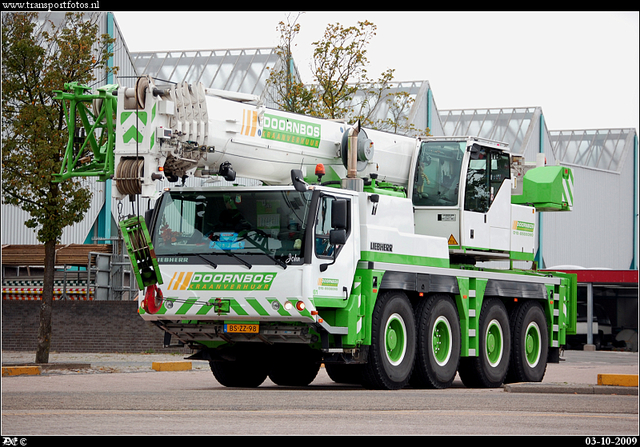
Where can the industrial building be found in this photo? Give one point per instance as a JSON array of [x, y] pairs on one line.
[[598, 239]]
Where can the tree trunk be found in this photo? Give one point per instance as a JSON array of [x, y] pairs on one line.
[[44, 330]]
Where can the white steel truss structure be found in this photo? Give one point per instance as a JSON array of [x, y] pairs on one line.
[[243, 70], [599, 148]]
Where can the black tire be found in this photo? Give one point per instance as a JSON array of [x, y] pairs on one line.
[[248, 370], [392, 350], [343, 373], [530, 343], [437, 343], [489, 368], [294, 365]]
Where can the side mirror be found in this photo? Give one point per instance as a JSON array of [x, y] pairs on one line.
[[339, 214], [297, 178], [338, 237]]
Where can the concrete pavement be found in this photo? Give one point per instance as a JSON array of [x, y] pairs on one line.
[[579, 372]]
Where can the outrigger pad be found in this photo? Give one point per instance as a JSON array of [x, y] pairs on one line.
[[141, 252]]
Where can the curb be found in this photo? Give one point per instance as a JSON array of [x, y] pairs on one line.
[[21, 371], [618, 379], [570, 388], [171, 366], [48, 366]]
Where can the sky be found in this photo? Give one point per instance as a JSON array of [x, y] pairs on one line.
[[581, 68]]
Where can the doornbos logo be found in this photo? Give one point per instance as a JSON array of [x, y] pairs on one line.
[[523, 228], [221, 281]]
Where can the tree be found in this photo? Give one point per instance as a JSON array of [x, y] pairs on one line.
[[339, 66], [284, 88], [342, 89], [38, 58]]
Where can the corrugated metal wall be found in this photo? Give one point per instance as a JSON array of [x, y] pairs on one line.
[[15, 232], [598, 232], [121, 57]]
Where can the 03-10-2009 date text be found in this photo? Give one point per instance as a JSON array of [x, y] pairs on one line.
[[611, 440]]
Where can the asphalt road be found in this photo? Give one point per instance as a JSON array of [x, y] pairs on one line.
[[121, 395]]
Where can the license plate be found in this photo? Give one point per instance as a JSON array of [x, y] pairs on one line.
[[235, 328]]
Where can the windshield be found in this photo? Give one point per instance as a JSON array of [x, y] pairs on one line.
[[437, 177], [233, 223]]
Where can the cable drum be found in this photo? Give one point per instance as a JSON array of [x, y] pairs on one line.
[[142, 84], [364, 149], [129, 176]]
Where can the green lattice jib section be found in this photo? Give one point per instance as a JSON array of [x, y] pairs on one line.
[[91, 128], [141, 252]]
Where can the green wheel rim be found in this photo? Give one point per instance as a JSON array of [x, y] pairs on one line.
[[494, 342], [395, 339], [441, 340], [532, 340]]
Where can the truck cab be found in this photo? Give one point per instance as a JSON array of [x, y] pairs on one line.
[[264, 251], [461, 190]]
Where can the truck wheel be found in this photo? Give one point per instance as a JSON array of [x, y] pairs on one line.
[[489, 368], [392, 349], [294, 365], [248, 370], [437, 343], [530, 343], [343, 373]]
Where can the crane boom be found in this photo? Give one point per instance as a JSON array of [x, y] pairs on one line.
[[186, 130]]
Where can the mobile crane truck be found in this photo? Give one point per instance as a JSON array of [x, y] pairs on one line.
[[361, 250]]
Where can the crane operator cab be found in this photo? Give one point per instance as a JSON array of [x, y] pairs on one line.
[[461, 190]]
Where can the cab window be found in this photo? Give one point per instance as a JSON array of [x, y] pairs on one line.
[[323, 227], [486, 173], [437, 176]]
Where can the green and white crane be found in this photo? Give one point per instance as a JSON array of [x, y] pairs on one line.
[[360, 249]]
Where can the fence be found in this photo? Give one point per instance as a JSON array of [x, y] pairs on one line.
[[89, 271]]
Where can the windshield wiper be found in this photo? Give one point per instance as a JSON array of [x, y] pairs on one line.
[[233, 255], [275, 260], [261, 247], [213, 264]]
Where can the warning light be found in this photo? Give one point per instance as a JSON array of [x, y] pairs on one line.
[[320, 171]]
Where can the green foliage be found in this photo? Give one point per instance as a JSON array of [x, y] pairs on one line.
[[284, 87], [339, 65], [342, 88], [38, 58]]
